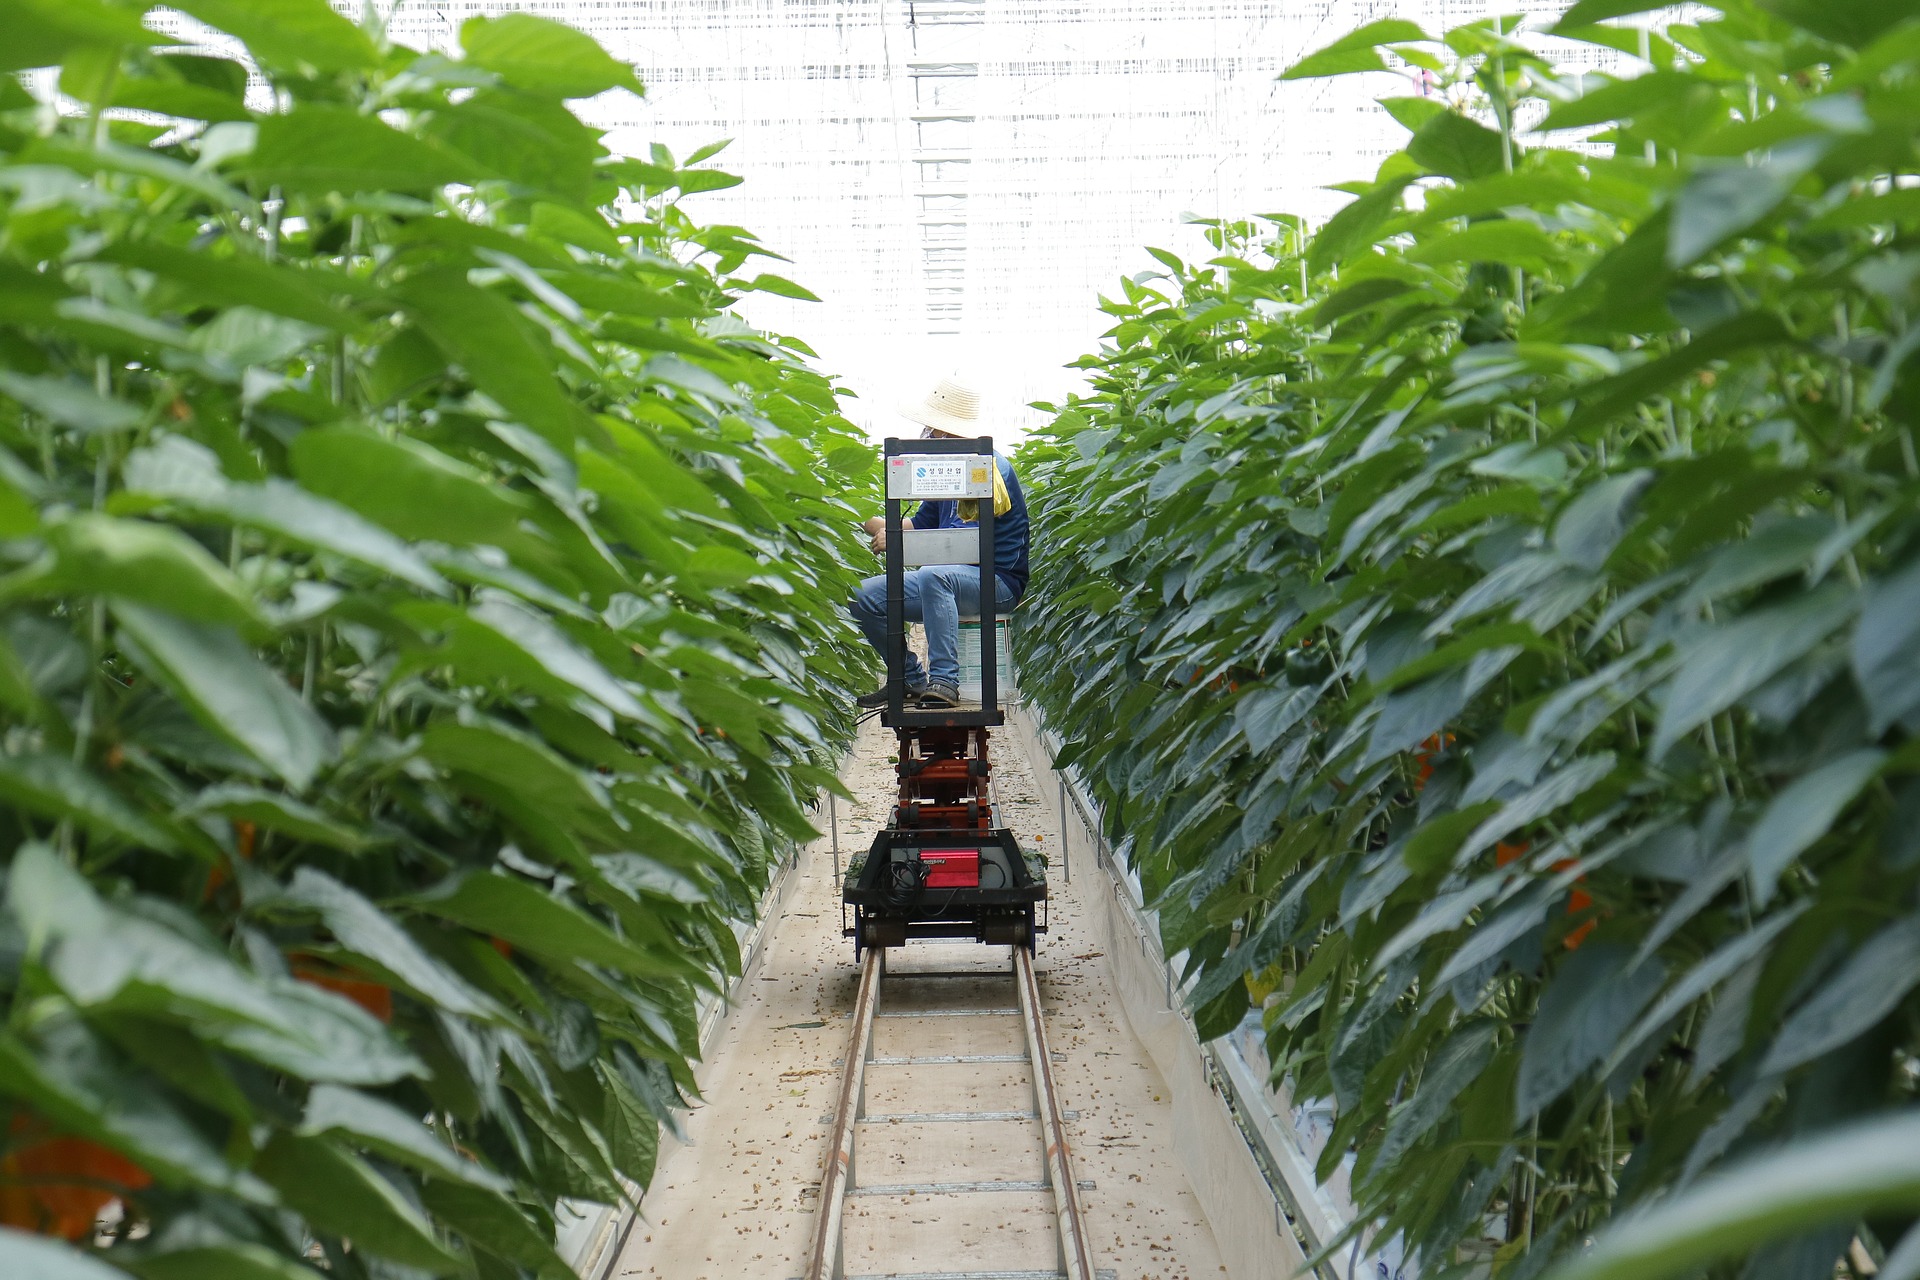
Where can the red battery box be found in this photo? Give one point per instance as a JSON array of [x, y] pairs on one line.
[[952, 868]]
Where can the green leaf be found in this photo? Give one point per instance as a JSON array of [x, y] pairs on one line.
[[534, 142], [1592, 525], [1771, 551], [1357, 225], [517, 912], [1887, 208], [406, 486], [1726, 960], [1621, 100], [694, 181], [290, 33], [379, 1126], [1593, 998], [1458, 148], [1269, 711], [341, 1195], [278, 812], [1541, 467], [1606, 398], [1574, 780], [1356, 50], [70, 403], [112, 961], [1857, 25], [1433, 845], [319, 149], [1501, 240], [1358, 297], [542, 56], [190, 86], [290, 511], [326, 1038], [310, 295], [25, 1255], [1456, 1064], [1724, 200], [1730, 662], [363, 929], [1587, 12], [55, 787], [1802, 813], [1867, 988], [19, 517], [498, 349], [229, 690], [1848, 1172], [108, 156], [41, 33], [1885, 644], [547, 645], [188, 473], [1411, 113], [67, 1074], [508, 758], [691, 377], [780, 285], [1541, 191], [495, 1225], [1411, 714], [221, 1262], [150, 564]]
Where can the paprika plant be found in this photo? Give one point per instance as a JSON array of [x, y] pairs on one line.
[[417, 639], [1511, 594]]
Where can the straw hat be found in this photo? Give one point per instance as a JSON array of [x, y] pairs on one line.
[[949, 407]]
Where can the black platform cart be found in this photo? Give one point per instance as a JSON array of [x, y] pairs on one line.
[[943, 867]]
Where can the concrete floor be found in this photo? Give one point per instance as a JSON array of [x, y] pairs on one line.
[[737, 1202]]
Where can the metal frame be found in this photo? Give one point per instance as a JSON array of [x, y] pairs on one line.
[[897, 714]]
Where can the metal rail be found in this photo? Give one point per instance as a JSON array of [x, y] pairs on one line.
[[1076, 1251], [825, 1260]]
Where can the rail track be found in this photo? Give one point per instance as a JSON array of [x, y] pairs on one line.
[[965, 1203]]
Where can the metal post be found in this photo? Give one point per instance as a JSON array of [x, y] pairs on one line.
[[833, 818], [896, 603], [989, 593], [1066, 859]]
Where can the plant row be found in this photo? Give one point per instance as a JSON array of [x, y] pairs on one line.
[[417, 640], [1510, 597]]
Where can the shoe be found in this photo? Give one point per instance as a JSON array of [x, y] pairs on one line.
[[940, 696], [878, 698]]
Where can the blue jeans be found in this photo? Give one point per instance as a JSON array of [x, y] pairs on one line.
[[936, 596]]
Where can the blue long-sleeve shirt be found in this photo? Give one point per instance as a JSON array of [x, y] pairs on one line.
[[1010, 531]]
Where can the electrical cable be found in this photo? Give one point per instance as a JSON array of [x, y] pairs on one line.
[[905, 880]]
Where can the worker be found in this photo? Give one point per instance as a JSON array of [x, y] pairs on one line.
[[937, 595]]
